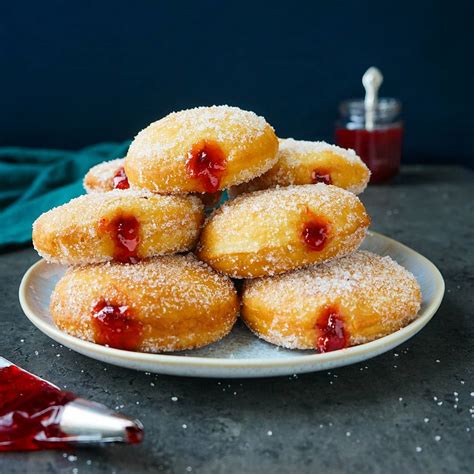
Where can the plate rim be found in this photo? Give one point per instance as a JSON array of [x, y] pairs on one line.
[[171, 360]]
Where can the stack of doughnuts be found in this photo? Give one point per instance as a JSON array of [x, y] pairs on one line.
[[148, 272]]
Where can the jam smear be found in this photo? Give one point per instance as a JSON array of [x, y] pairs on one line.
[[30, 412], [315, 231], [114, 326], [332, 334], [207, 163], [125, 232], [321, 176], [120, 179]]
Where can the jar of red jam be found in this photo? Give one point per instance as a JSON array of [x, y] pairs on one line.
[[373, 128], [379, 145]]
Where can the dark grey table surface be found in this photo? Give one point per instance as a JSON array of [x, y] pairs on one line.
[[409, 410]]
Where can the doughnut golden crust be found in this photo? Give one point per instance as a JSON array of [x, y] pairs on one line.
[[304, 162], [110, 175], [119, 225], [205, 149], [277, 230], [106, 176], [166, 303], [348, 301]]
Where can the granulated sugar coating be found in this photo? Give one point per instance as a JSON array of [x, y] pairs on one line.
[[268, 232], [372, 295], [79, 233], [157, 157], [176, 302], [304, 162], [100, 178], [289, 145]]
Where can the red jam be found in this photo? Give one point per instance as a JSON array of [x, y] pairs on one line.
[[380, 149], [315, 232], [207, 164], [30, 412], [125, 233], [320, 176], [134, 435], [114, 326], [332, 335], [120, 179]]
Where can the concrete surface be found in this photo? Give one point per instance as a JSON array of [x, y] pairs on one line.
[[406, 411]]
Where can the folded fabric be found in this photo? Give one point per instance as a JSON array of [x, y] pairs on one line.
[[35, 180]]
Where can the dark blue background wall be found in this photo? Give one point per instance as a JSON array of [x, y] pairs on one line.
[[75, 73]]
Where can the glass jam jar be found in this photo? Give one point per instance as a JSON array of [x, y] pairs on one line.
[[380, 144]]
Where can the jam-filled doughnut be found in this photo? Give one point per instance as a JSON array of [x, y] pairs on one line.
[[110, 175], [165, 303], [348, 301], [305, 162], [121, 225], [205, 149], [106, 176], [277, 230]]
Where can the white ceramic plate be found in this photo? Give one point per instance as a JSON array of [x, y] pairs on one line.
[[240, 354]]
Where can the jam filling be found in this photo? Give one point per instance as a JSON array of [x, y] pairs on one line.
[[206, 163], [125, 233], [30, 412], [332, 334], [114, 326], [320, 176], [134, 435], [120, 179], [315, 232]]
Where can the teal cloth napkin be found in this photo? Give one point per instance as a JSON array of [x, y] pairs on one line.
[[35, 180]]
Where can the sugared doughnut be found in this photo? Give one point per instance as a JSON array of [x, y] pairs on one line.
[[166, 303], [205, 149], [348, 301], [304, 162], [119, 225], [273, 231], [111, 175], [106, 176]]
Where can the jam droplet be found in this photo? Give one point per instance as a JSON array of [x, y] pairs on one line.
[[315, 232], [134, 435], [120, 179], [332, 335], [320, 176], [30, 412], [207, 163], [114, 326], [125, 233]]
